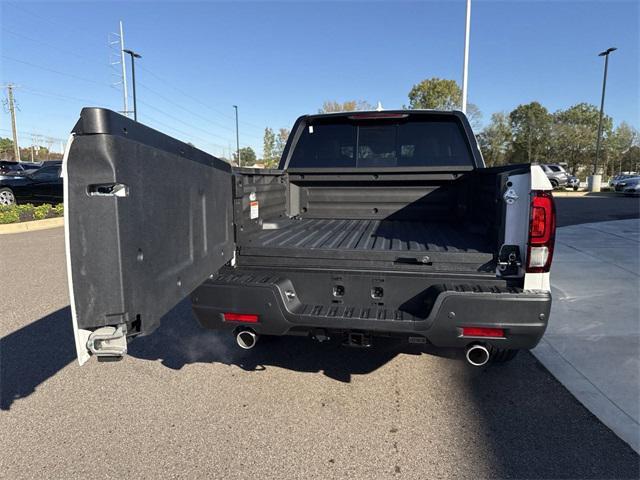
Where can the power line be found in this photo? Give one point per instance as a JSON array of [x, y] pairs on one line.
[[41, 93], [197, 100], [70, 75], [84, 100], [36, 135], [181, 121], [62, 27], [181, 132], [190, 111], [183, 108], [49, 45], [104, 85], [86, 57]]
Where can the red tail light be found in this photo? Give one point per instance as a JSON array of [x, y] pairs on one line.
[[482, 332], [240, 317], [542, 232]]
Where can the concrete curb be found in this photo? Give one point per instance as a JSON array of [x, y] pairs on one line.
[[566, 193], [562, 193], [32, 226]]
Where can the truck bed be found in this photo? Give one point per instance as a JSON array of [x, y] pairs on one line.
[[380, 235], [400, 242]]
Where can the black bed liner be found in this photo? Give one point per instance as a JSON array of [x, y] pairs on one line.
[[397, 241], [395, 235]]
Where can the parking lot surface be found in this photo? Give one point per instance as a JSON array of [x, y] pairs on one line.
[[593, 343], [596, 207], [187, 403]]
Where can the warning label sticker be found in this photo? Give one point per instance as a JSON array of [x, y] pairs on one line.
[[253, 210]]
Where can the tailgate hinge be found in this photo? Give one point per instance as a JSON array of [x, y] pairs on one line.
[[108, 341]]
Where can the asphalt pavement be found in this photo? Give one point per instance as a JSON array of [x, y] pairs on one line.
[[596, 207], [187, 403]]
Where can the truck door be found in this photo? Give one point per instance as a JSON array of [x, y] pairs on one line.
[[147, 219]]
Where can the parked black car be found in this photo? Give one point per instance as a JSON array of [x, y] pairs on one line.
[[41, 186], [9, 168]]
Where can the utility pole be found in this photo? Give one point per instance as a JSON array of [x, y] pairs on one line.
[[595, 179], [237, 137], [465, 66], [125, 93], [14, 127]]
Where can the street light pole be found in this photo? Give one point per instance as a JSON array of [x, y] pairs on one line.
[[604, 54], [594, 184], [237, 138], [465, 66], [133, 55]]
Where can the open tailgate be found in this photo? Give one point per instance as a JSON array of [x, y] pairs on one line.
[[148, 218]]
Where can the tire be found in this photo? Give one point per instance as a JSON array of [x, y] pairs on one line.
[[554, 184], [7, 197], [500, 355], [575, 189]]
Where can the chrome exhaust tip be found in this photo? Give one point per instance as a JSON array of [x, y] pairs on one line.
[[477, 355], [246, 339]]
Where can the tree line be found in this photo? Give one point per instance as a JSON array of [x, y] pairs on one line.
[[532, 134], [26, 154]]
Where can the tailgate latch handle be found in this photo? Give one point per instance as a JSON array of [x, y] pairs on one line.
[[108, 190]]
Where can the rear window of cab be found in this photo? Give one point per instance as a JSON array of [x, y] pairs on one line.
[[397, 142]]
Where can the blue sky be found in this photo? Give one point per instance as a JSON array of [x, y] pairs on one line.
[[280, 60]]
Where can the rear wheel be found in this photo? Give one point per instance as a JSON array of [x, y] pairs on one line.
[[554, 183], [7, 197], [501, 355]]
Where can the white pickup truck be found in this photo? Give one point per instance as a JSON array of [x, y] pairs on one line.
[[375, 224]]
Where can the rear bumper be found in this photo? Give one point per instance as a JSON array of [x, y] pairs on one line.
[[523, 315]]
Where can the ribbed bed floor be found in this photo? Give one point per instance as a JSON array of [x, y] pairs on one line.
[[367, 235]]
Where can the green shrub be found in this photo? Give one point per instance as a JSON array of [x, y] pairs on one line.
[[58, 210], [25, 212], [41, 211], [28, 212], [8, 215]]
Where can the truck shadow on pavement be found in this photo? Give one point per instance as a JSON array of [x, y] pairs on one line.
[[180, 341], [33, 354], [518, 419]]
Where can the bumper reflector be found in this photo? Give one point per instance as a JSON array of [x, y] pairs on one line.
[[482, 332], [240, 317]]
